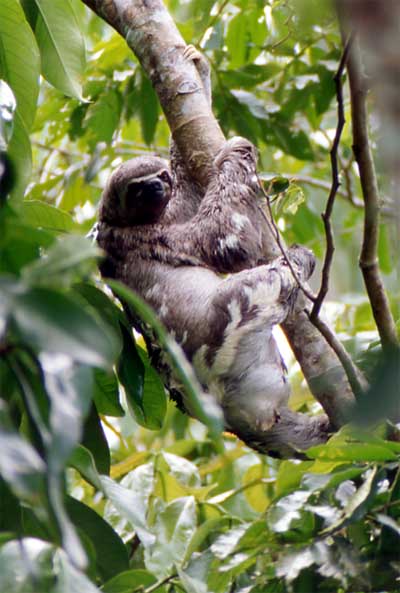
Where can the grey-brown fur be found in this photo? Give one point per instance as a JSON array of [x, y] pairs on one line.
[[224, 325]]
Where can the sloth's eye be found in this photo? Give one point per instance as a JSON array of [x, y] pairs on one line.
[[165, 177]]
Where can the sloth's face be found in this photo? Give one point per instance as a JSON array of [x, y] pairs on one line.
[[145, 199]]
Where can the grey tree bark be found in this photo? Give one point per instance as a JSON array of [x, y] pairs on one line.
[[152, 35]]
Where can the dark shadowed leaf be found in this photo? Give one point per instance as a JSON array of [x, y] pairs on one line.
[[130, 371], [95, 441], [148, 109], [111, 553], [106, 393]]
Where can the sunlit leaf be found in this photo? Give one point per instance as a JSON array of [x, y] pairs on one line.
[[173, 528], [61, 45], [52, 321], [30, 565], [83, 461], [19, 59]]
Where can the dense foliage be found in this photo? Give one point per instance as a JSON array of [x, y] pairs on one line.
[[104, 484]]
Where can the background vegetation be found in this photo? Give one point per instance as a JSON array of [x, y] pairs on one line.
[[104, 484]]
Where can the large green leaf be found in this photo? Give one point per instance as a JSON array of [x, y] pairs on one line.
[[130, 372], [46, 216], [20, 153], [69, 255], [111, 553], [30, 565], [19, 59], [106, 393], [174, 527], [61, 45], [20, 465], [52, 321], [131, 500]]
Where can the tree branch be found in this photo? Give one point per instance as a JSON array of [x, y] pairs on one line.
[[154, 38], [368, 262], [152, 35]]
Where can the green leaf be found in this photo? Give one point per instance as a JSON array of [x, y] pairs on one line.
[[70, 389], [20, 153], [68, 255], [52, 321], [83, 461], [61, 46], [130, 372], [154, 396], [103, 116], [357, 505], [30, 242], [131, 500], [42, 215], [95, 441], [19, 59], [111, 553], [288, 512], [384, 249], [173, 528], [10, 511], [20, 465], [278, 185], [149, 109], [128, 581], [245, 36], [352, 452], [106, 393], [103, 304], [225, 544], [30, 565]]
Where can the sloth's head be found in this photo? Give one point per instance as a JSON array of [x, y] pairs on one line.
[[137, 192]]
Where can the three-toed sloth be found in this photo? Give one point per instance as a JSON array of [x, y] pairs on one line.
[[224, 324]]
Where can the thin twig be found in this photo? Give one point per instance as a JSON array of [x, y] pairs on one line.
[[160, 583], [275, 231], [326, 216]]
